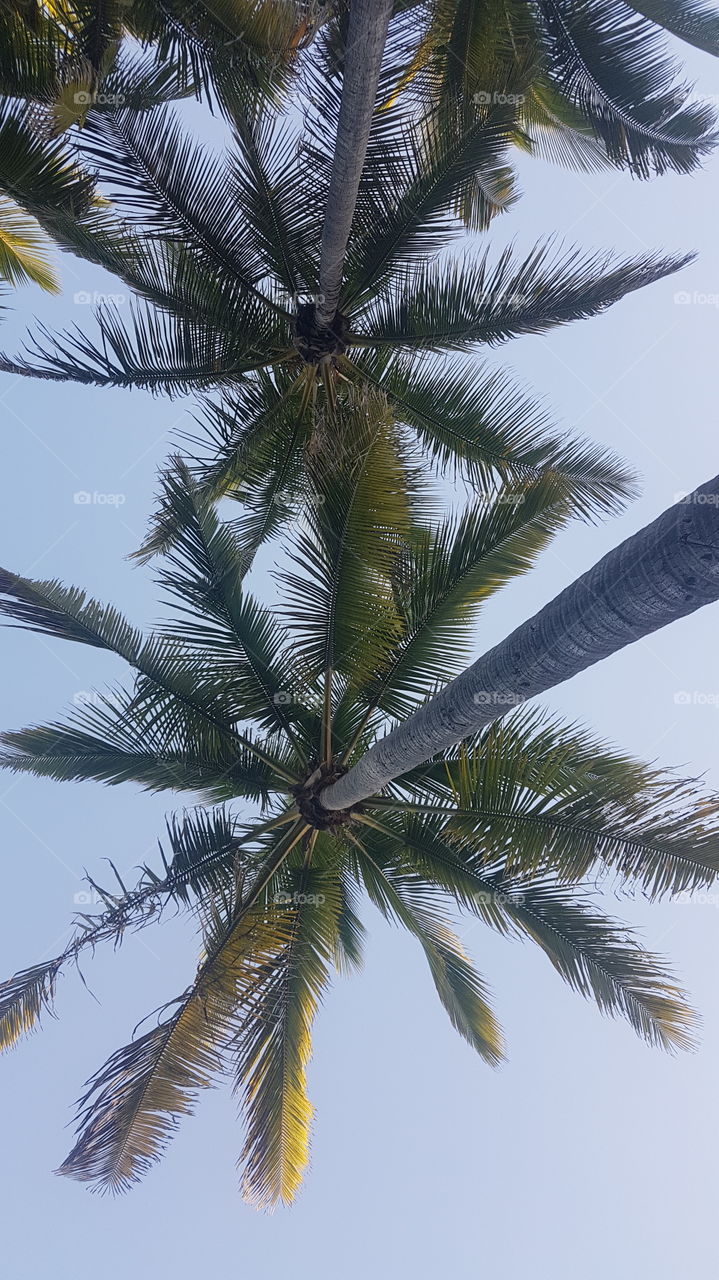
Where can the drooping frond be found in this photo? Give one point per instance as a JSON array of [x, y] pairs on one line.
[[412, 903], [24, 249], [488, 429], [273, 1044], [23, 999], [599, 958], [613, 66], [132, 1105]]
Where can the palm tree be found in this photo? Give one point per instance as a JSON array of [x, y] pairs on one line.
[[225, 263], [666, 571], [234, 702]]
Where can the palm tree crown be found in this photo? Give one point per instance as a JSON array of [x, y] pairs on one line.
[[225, 262], [235, 702]]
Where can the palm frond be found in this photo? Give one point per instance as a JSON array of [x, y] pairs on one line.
[[691, 20], [67, 613], [595, 955], [274, 1042], [174, 354], [23, 999], [452, 306], [486, 428], [554, 796], [131, 1108], [407, 899], [613, 66], [443, 577], [24, 250]]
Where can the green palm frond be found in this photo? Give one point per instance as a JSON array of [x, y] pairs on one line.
[[38, 173], [226, 626], [24, 250], [487, 428], [452, 306], [444, 577], [165, 182], [68, 614], [548, 795], [558, 133], [691, 20], [596, 956], [405, 897], [415, 194], [132, 1105], [613, 66], [160, 353], [338, 599]]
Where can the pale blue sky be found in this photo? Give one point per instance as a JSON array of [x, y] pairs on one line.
[[588, 1154]]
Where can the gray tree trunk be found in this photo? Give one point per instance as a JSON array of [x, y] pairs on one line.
[[366, 38], [667, 570]]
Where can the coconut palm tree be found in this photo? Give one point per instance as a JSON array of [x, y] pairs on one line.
[[666, 571], [225, 263], [239, 703]]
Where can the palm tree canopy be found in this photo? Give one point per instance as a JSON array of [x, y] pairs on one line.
[[236, 703], [224, 263]]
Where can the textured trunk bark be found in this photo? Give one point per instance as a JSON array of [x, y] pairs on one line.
[[667, 570], [367, 34]]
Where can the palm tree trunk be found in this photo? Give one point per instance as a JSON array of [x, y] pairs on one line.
[[664, 572], [366, 37]]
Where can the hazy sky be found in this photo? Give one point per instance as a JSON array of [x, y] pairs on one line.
[[588, 1155]]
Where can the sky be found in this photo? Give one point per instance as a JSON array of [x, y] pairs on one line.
[[587, 1153]]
